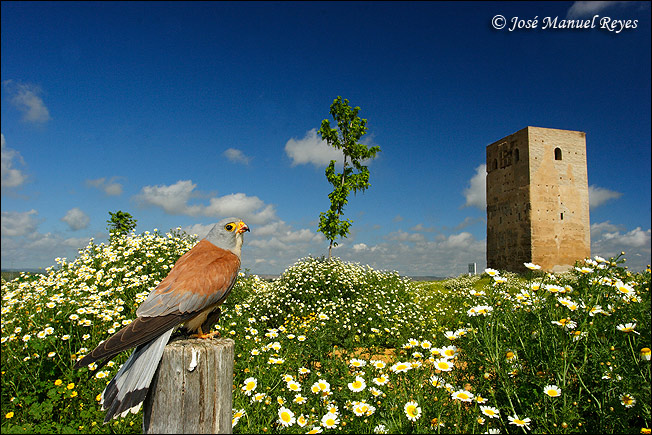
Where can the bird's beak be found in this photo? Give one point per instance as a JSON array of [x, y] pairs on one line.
[[242, 228]]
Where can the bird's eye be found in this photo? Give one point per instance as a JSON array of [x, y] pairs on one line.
[[229, 227]]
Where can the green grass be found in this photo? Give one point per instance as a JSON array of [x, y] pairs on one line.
[[396, 355]]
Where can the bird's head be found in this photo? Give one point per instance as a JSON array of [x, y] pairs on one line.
[[228, 234]]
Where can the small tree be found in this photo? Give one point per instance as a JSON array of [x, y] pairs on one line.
[[346, 137], [120, 223]]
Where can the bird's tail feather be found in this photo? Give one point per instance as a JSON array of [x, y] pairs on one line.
[[129, 387]]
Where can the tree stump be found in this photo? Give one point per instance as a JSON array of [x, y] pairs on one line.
[[191, 391]]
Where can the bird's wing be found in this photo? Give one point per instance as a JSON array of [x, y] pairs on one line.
[[202, 278]]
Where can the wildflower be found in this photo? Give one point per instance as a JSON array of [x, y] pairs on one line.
[[300, 399], [26, 337], [286, 417], [258, 397], [515, 420], [303, 370], [70, 386], [552, 390], [381, 428], [358, 385], [425, 344], [532, 266], [412, 410], [320, 386], [302, 420], [379, 365], [380, 380], [627, 400], [646, 353], [444, 365], [584, 270], [568, 304], [624, 289], [10, 414], [490, 411], [401, 367], [450, 335], [462, 395], [449, 352], [294, 386], [480, 310], [357, 363], [491, 272], [236, 416], [628, 327], [249, 386], [436, 381], [499, 280], [58, 382], [330, 420], [363, 408], [565, 322], [315, 429]]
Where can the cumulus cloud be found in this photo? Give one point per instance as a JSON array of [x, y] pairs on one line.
[[174, 199], [312, 149], [415, 255], [586, 9], [476, 193], [609, 240], [599, 195], [76, 219], [27, 99], [110, 187], [18, 223], [11, 175], [237, 156]]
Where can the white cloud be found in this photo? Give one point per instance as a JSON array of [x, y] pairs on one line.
[[110, 187], [312, 149], [251, 208], [174, 199], [18, 223], [585, 9], [27, 99], [476, 193], [599, 195], [608, 240], [11, 176], [76, 219], [237, 156], [415, 255]]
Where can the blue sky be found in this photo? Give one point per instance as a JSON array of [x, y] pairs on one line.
[[184, 113]]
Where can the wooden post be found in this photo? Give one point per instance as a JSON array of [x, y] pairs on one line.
[[192, 389]]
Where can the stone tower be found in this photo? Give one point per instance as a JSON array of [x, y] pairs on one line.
[[537, 200]]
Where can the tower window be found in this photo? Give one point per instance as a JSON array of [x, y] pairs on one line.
[[562, 216], [557, 153], [516, 156], [495, 165]]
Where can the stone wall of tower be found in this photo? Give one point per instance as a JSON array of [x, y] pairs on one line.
[[508, 204], [537, 200], [559, 195]]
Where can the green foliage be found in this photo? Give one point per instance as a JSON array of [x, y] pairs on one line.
[[120, 224], [505, 338], [350, 128]]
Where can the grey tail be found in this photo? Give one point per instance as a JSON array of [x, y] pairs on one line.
[[129, 386]]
